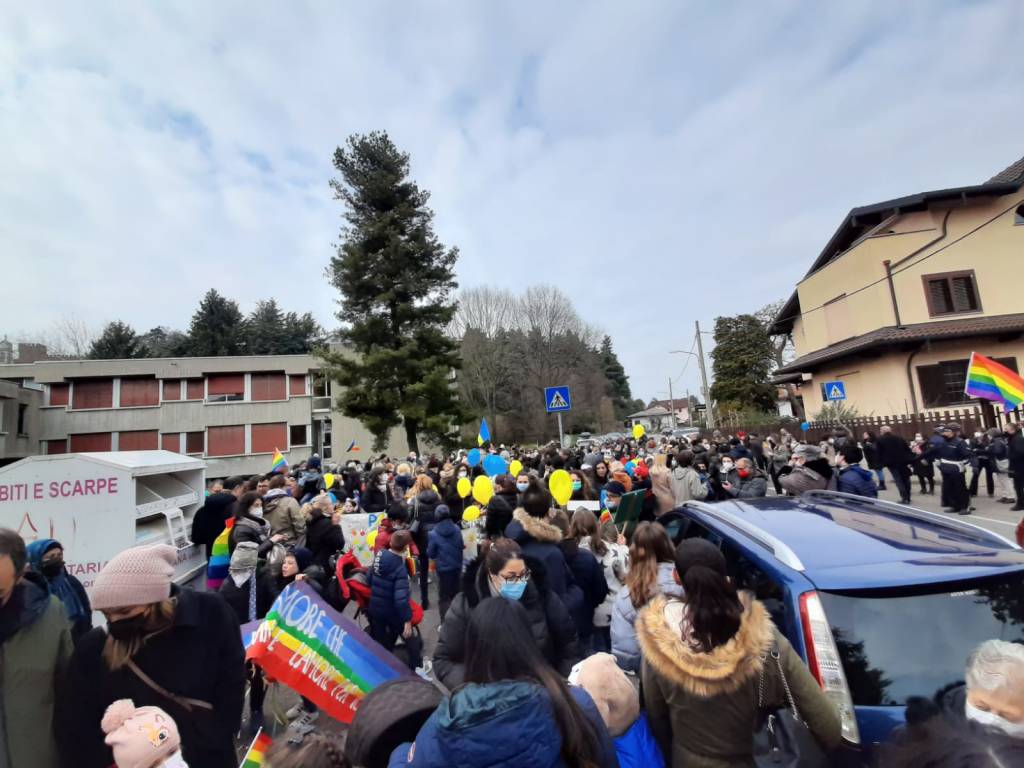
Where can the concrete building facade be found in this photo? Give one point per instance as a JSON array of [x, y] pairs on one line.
[[904, 292], [234, 412]]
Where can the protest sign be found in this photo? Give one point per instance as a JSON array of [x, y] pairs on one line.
[[320, 654], [357, 528]]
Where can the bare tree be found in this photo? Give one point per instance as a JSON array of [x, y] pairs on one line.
[[71, 336], [488, 310], [782, 344]]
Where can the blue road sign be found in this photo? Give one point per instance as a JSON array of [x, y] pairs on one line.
[[835, 390], [557, 399]]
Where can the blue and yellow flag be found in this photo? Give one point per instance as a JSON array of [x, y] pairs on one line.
[[484, 436]]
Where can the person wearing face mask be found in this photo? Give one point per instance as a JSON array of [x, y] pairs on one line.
[[686, 482], [46, 557], [35, 648], [953, 457], [503, 571], [750, 482], [995, 687], [377, 496], [580, 488], [177, 649], [283, 513], [810, 471], [250, 526], [724, 475]]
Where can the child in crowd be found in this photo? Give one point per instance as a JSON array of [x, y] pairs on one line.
[[390, 611], [142, 737], [444, 547]]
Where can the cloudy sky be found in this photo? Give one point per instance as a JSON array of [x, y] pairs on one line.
[[661, 162]]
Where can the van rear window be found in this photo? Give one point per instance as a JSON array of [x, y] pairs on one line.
[[896, 645]]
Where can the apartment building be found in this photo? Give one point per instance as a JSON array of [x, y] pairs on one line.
[[234, 412], [902, 294]]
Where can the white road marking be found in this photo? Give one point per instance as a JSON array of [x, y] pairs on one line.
[[992, 520]]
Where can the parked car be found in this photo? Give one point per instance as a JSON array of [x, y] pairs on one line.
[[883, 601]]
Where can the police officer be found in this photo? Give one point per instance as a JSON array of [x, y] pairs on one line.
[[952, 456]]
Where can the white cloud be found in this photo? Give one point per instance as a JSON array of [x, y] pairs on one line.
[[661, 162]]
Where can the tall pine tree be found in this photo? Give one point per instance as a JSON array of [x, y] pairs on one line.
[[743, 361], [618, 382], [396, 281], [216, 328], [117, 342]]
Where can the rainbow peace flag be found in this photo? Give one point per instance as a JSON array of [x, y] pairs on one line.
[[989, 380], [220, 558], [279, 465], [258, 750], [352, 447]]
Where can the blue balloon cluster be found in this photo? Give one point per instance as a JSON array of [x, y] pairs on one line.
[[494, 465], [473, 457]]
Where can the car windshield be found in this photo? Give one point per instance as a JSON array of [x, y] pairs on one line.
[[899, 644]]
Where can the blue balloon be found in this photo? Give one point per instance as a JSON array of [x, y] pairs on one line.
[[494, 465], [473, 457], [805, 426]]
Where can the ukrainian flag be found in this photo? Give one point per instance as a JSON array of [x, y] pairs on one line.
[[484, 436]]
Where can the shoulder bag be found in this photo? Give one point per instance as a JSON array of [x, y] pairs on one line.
[[184, 702], [782, 739], [415, 527]]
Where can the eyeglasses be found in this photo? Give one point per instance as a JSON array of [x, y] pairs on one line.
[[524, 576]]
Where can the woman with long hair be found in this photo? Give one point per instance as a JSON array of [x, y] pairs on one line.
[[503, 571], [249, 525], [705, 657], [651, 563], [423, 502], [614, 560], [514, 708], [581, 490]]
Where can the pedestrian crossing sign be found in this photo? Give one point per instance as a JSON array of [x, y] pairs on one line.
[[557, 399], [835, 390]]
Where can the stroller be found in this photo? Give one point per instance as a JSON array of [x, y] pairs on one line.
[[351, 582]]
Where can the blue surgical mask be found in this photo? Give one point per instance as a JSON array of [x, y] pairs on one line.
[[522, 487], [512, 590]]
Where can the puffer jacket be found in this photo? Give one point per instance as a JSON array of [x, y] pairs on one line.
[[615, 562], [589, 575], [389, 589], [423, 508], [702, 707], [539, 540], [815, 475], [508, 724], [550, 622], [752, 487], [251, 529], [445, 546], [284, 515], [323, 538], [624, 644], [857, 480], [687, 485]]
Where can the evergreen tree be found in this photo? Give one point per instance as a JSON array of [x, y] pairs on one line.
[[743, 360], [216, 329], [302, 334], [265, 329], [618, 381], [118, 341], [163, 342], [396, 281]]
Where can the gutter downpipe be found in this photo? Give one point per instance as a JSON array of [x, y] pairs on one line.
[[892, 292], [910, 375]]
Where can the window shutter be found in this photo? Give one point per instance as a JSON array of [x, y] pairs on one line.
[[964, 299], [941, 299], [933, 385]]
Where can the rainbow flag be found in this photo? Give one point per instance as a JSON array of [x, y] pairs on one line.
[[220, 558], [257, 751], [279, 465], [352, 447], [990, 380]]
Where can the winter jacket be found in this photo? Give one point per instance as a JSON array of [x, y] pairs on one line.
[[539, 539], [893, 451], [499, 513], [550, 622], [508, 724], [35, 648], [780, 456], [754, 486], [815, 475], [284, 516], [65, 587], [870, 448], [199, 657], [687, 485], [238, 597], [272, 583], [376, 500], [389, 589], [615, 563], [589, 576], [702, 707], [445, 547], [323, 538], [252, 529], [209, 520], [857, 480], [624, 643], [1015, 452], [385, 528], [422, 508]]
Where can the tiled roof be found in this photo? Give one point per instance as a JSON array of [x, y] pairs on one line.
[[655, 411], [892, 335], [1011, 173]]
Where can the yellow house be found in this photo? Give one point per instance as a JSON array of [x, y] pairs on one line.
[[903, 293]]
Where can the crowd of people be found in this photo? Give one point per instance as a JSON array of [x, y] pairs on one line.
[[563, 641]]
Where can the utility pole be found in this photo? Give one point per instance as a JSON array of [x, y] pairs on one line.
[[704, 380], [671, 405], [689, 408]]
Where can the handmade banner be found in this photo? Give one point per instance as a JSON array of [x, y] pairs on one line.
[[320, 654], [357, 528]]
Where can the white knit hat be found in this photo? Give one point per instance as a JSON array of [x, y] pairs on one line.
[[137, 576]]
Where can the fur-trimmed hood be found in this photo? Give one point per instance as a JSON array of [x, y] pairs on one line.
[[724, 670], [537, 527]]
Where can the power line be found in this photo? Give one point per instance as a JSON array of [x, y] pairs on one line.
[[688, 359]]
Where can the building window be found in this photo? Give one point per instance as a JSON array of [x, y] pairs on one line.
[[195, 442], [56, 446], [195, 389], [298, 434], [224, 441], [138, 393], [22, 413], [942, 384], [141, 440], [171, 441], [268, 386], [223, 388], [297, 385], [267, 438], [951, 293], [90, 441], [59, 394], [172, 389], [1018, 216], [93, 393], [321, 392]]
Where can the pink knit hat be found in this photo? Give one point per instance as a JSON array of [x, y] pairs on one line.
[[140, 738], [137, 576]]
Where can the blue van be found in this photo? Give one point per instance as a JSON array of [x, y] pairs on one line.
[[883, 601]]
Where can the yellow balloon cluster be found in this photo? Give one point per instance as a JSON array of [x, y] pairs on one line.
[[560, 485], [638, 431], [515, 467], [483, 490], [464, 487], [471, 513]]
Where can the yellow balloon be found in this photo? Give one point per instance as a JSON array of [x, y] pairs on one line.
[[464, 487], [483, 489], [638, 431], [328, 481], [560, 485], [471, 513], [515, 467], [371, 538]]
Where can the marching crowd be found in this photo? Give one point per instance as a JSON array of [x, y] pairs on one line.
[[563, 642]]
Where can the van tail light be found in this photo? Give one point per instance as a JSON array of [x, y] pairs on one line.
[[825, 664]]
